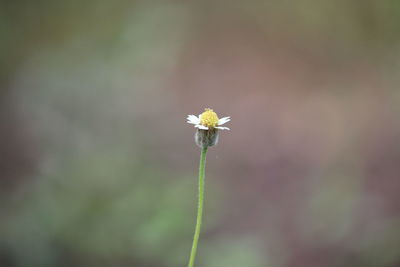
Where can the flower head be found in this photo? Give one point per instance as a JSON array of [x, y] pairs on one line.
[[208, 120], [207, 124]]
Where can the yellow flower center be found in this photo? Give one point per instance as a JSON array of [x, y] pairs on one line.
[[209, 118]]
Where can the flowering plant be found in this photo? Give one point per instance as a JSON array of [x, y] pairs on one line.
[[207, 124]]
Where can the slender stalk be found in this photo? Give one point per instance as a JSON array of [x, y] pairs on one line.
[[200, 206]]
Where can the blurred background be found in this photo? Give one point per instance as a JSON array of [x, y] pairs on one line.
[[99, 168]]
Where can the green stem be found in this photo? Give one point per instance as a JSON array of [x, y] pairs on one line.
[[200, 206]]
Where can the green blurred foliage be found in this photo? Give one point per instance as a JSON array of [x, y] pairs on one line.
[[104, 206]]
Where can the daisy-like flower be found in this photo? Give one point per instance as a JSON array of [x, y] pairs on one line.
[[208, 120], [207, 124]]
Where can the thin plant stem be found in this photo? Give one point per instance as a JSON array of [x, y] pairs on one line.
[[200, 206]]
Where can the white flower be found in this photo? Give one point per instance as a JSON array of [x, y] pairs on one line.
[[208, 120]]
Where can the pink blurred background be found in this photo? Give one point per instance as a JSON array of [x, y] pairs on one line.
[[98, 167]]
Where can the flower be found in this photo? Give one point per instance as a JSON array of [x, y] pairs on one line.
[[207, 124], [208, 120]]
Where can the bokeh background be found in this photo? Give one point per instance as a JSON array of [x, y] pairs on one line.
[[99, 168]]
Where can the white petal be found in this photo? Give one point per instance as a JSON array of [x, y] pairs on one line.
[[192, 122], [223, 120], [201, 127], [222, 128], [193, 119]]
